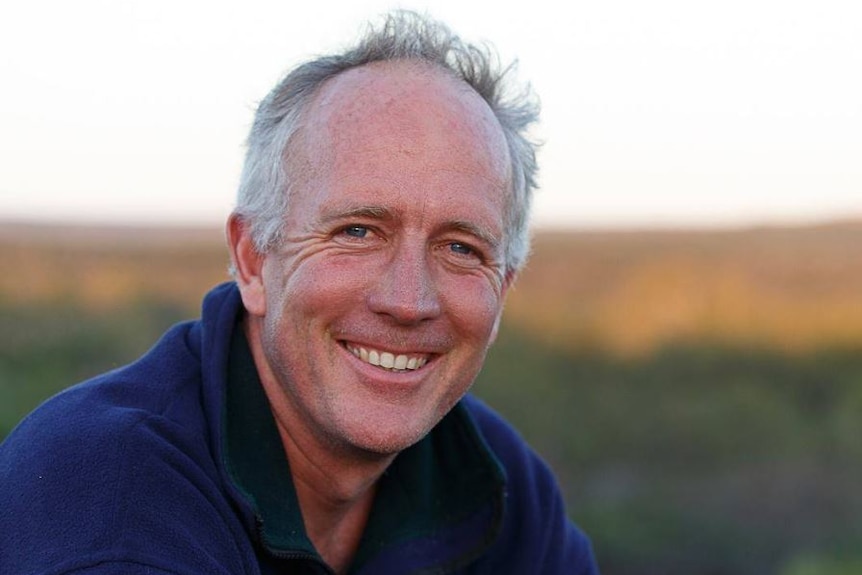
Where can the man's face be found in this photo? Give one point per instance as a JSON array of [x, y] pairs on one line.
[[385, 295]]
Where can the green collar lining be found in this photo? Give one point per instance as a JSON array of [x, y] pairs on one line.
[[254, 455], [443, 479]]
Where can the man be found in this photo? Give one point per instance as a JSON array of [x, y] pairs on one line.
[[315, 419]]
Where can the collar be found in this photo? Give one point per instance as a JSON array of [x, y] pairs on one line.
[[448, 480]]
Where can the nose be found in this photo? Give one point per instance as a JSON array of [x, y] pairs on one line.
[[405, 289]]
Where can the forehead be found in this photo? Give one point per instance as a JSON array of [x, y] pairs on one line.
[[411, 107]]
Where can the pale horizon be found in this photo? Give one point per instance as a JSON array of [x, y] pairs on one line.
[[660, 115]]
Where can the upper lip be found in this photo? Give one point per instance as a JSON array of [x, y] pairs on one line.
[[396, 346]]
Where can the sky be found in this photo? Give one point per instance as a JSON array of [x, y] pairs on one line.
[[667, 113]]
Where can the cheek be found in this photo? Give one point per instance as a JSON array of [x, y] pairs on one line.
[[474, 305], [320, 289]]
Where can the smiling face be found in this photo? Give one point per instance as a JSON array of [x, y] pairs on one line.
[[374, 315]]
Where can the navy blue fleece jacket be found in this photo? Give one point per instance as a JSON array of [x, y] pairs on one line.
[[138, 471]]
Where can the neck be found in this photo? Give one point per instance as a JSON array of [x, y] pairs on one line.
[[335, 498], [335, 485]]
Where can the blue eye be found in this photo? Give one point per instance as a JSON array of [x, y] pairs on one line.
[[356, 231], [461, 249]]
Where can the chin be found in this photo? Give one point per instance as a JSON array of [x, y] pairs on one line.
[[388, 437]]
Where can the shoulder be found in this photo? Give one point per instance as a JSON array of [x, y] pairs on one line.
[[525, 470], [100, 473], [99, 419], [535, 521]]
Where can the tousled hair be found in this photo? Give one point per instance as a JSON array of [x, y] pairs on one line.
[[265, 184]]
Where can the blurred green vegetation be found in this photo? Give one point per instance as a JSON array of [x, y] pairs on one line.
[[47, 348], [697, 459]]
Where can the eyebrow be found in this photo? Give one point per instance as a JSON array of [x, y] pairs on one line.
[[475, 230], [370, 212]]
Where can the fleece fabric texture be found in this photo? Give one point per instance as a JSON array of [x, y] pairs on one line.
[[129, 473]]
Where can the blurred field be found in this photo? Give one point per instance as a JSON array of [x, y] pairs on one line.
[[697, 393], [630, 293], [105, 269]]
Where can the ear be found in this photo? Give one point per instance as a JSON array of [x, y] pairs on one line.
[[508, 280], [248, 265]]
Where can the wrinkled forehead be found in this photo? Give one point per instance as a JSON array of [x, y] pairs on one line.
[[412, 105]]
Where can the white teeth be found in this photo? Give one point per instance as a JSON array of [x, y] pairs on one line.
[[388, 360]]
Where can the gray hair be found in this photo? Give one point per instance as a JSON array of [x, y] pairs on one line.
[[264, 187]]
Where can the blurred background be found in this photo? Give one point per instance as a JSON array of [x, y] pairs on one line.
[[685, 346]]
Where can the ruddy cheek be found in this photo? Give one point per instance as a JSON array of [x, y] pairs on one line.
[[323, 281], [476, 311]]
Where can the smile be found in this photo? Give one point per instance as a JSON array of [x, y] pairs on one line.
[[387, 360]]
